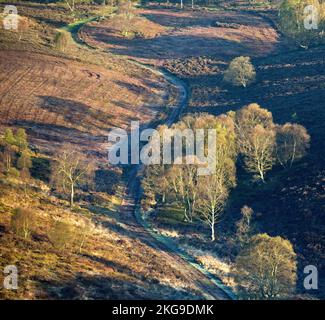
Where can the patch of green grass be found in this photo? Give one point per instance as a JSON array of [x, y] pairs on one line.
[[75, 26], [170, 215]]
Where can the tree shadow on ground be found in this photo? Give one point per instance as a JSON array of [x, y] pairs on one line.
[[97, 287]]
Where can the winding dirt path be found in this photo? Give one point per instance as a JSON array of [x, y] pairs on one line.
[[209, 285]]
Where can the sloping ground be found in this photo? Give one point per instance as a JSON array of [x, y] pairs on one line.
[[58, 99], [291, 86], [114, 263], [61, 100], [189, 33]]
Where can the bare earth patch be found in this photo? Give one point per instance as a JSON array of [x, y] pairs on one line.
[[58, 99], [188, 34]]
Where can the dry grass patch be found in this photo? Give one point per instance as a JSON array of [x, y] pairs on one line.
[[211, 262], [189, 34], [61, 100], [111, 263]]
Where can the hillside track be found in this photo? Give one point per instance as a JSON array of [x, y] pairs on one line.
[[208, 289], [131, 199], [257, 35]]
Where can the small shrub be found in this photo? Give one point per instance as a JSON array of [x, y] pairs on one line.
[[61, 41], [23, 222], [13, 172], [244, 226], [62, 235]]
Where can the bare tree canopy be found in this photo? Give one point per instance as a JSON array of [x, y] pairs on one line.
[[70, 170], [292, 142]]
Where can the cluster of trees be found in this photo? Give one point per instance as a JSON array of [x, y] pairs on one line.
[[297, 19], [262, 143], [70, 170], [249, 135], [15, 155], [303, 21], [199, 196]]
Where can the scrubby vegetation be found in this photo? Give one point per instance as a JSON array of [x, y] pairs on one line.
[[254, 74], [81, 251], [303, 21], [74, 253]]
